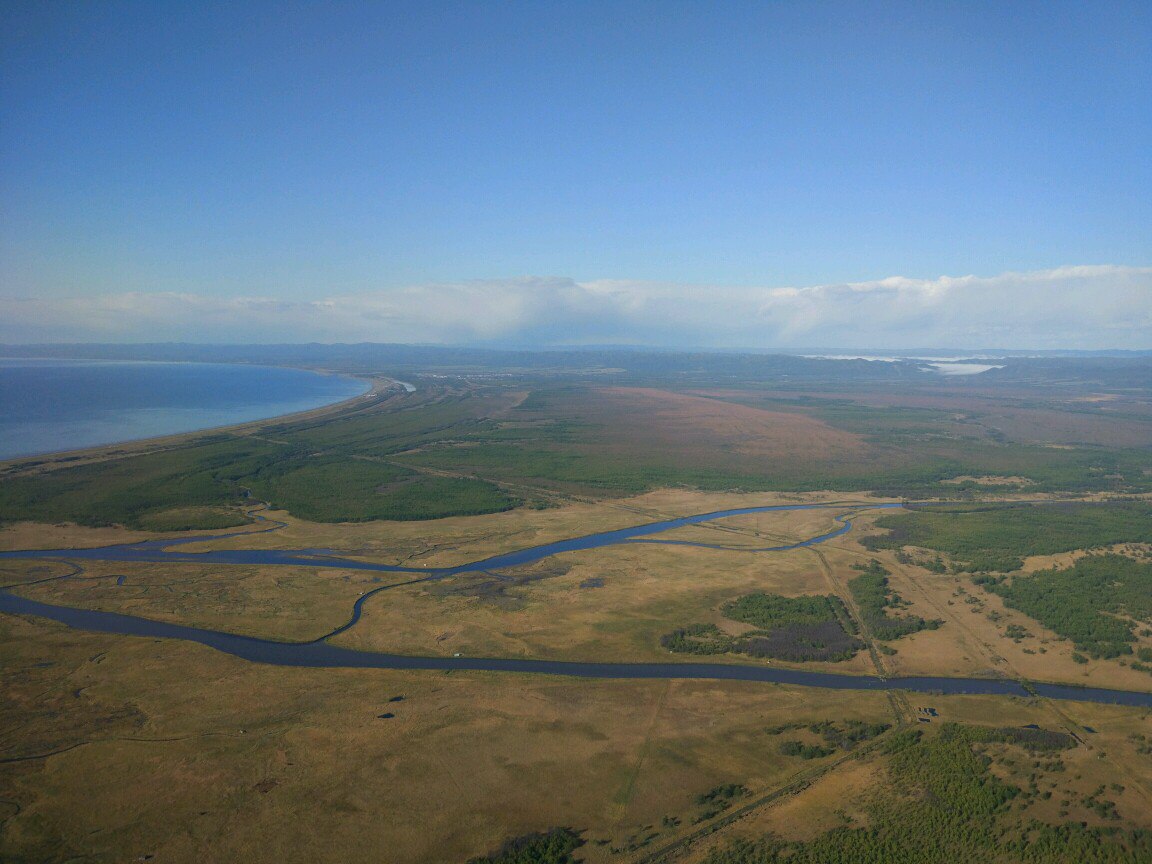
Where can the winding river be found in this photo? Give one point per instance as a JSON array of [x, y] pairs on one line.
[[320, 653]]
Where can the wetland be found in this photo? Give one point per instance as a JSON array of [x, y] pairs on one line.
[[467, 582]]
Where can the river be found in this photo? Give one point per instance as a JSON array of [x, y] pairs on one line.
[[319, 653]]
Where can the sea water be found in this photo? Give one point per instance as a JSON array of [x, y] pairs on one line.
[[47, 406]]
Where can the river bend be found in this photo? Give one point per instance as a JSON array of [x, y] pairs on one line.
[[319, 653]]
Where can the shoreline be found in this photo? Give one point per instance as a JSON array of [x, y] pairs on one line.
[[377, 388]]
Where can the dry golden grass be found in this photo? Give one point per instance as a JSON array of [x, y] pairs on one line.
[[759, 530], [833, 800], [17, 572], [1068, 559], [35, 535], [551, 610], [646, 591], [193, 755], [65, 535], [271, 602]]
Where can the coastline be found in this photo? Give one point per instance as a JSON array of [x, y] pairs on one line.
[[378, 388]]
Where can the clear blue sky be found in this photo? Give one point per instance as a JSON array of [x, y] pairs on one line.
[[301, 151]]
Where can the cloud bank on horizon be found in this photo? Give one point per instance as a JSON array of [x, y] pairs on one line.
[[374, 171], [1074, 307]]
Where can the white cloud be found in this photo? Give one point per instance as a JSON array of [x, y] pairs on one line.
[[1068, 307], [1087, 306]]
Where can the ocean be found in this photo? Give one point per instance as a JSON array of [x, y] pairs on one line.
[[47, 406]]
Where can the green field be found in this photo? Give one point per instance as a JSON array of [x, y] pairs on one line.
[[997, 538]]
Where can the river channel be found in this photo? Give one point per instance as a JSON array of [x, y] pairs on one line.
[[319, 653]]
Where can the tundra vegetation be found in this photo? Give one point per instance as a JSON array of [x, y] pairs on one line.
[[1023, 553]]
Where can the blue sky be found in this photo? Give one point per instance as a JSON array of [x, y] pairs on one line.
[[551, 172]]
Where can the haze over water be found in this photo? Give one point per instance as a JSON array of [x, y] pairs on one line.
[[47, 406]]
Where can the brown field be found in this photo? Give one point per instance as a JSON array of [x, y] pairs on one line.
[[1110, 420], [990, 480], [666, 419]]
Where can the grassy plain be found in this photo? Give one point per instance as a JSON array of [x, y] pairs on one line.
[[166, 734], [116, 748], [290, 604]]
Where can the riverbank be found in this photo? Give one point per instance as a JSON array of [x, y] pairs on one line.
[[320, 652]]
